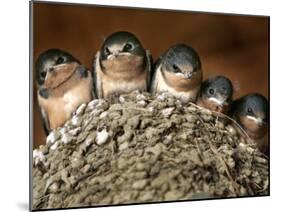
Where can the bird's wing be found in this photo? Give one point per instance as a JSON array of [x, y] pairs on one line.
[[149, 63], [97, 81], [45, 120], [233, 108], [155, 67], [93, 90]]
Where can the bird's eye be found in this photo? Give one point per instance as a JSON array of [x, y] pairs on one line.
[[250, 111], [60, 60], [106, 51], [43, 74], [211, 91], [128, 47], [176, 68]]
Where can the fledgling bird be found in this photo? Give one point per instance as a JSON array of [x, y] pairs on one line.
[[178, 72], [63, 84], [122, 65], [216, 94], [251, 112]]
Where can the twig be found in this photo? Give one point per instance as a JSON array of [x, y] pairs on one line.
[[224, 116], [131, 108], [215, 151], [199, 150], [41, 200]]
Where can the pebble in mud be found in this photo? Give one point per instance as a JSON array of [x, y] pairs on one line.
[[123, 146], [102, 137], [52, 137], [80, 110], [38, 156], [140, 184], [128, 151], [220, 124], [174, 195], [231, 129]]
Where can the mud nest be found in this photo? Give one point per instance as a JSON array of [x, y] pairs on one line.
[[142, 148]]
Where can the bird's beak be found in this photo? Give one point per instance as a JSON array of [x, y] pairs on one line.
[[188, 75], [257, 120], [216, 100], [111, 57], [58, 67], [221, 101], [116, 54]]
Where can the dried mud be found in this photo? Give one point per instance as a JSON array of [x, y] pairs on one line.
[[142, 148]]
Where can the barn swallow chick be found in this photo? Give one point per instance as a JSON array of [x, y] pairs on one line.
[[63, 84], [251, 112], [216, 94], [178, 72], [122, 65]]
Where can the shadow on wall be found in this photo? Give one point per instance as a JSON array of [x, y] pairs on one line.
[[234, 46]]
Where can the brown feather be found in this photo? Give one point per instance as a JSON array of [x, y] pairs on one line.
[[211, 105], [123, 74], [65, 98], [185, 89]]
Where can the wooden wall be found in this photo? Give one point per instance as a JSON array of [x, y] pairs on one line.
[[234, 46]]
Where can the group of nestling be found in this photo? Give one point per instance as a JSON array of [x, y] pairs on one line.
[[122, 65]]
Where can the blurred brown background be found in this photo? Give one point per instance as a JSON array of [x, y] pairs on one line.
[[234, 46]]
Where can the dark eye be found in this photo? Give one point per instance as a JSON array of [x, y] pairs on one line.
[[176, 68], [106, 51], [250, 111], [43, 74], [211, 91], [128, 47], [60, 60]]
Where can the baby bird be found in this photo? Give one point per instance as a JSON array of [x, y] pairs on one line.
[[122, 65], [251, 112], [216, 94], [63, 84], [178, 72]]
